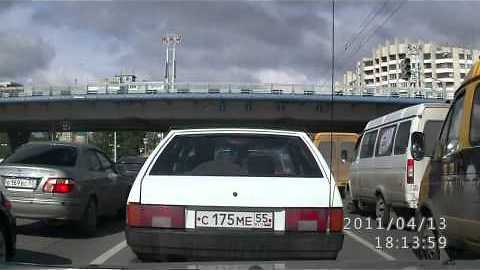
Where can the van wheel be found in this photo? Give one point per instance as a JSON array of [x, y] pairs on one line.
[[382, 210], [88, 223]]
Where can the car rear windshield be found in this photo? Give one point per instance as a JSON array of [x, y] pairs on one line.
[[237, 155], [52, 155]]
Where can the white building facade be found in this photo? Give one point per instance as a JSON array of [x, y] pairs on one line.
[[433, 66]]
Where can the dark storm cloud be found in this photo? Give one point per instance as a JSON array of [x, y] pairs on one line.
[[5, 5], [233, 40], [217, 35], [21, 55], [444, 22]]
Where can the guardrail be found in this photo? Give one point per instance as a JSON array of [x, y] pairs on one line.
[[215, 88]]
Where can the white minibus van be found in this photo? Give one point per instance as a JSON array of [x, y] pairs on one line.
[[391, 156]]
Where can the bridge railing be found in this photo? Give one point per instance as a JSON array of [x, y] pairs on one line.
[[216, 88]]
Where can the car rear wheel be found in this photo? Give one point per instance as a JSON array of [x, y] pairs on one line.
[[382, 210], [3, 245], [88, 223]]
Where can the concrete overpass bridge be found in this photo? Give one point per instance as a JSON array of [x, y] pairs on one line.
[[95, 108]]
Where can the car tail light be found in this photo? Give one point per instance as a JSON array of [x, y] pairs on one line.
[[59, 185], [336, 219], [410, 174], [314, 220], [158, 216]]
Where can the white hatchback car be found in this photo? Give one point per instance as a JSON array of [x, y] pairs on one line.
[[235, 194]]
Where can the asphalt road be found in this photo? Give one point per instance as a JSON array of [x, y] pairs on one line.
[[60, 244]]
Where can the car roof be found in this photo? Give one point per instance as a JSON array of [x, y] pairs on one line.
[[75, 145], [404, 113], [237, 130]]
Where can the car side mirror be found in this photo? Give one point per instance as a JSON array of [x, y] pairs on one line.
[[418, 146], [344, 156]]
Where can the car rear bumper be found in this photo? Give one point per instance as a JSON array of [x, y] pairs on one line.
[[227, 245], [47, 209]]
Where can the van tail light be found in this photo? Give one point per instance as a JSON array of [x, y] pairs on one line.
[[410, 174], [59, 185], [158, 216], [314, 220]]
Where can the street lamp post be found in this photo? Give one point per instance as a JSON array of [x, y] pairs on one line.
[[171, 41], [145, 143], [115, 146]]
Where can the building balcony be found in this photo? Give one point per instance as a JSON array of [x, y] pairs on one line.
[[444, 60], [444, 70]]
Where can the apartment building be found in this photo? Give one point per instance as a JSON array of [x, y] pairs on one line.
[[433, 66]]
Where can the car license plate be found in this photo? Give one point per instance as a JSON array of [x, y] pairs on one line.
[[221, 219], [20, 183]]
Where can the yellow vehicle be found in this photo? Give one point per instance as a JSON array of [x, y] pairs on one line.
[[450, 191], [342, 146]]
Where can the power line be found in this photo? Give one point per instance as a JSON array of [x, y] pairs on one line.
[[367, 39], [363, 26], [382, 24]]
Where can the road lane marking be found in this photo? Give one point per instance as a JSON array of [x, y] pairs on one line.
[[370, 246], [109, 253]]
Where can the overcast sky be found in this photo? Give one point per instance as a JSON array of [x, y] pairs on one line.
[[227, 41]]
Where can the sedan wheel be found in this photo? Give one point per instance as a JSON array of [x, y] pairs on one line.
[[382, 210], [3, 246]]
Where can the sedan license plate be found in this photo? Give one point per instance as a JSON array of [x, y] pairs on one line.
[[224, 219], [20, 183]]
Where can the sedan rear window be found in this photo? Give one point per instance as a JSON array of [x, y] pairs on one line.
[[237, 155], [58, 155]]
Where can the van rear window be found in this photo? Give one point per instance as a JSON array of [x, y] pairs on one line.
[[237, 155], [327, 148]]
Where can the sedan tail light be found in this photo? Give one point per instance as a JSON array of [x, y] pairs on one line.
[[336, 219], [314, 219], [158, 216], [59, 185], [5, 202]]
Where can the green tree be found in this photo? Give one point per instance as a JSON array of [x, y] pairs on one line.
[[128, 142]]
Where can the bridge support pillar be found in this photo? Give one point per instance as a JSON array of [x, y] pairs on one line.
[[17, 138]]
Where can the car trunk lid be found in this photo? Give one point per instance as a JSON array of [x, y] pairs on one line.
[[24, 181], [238, 191]]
